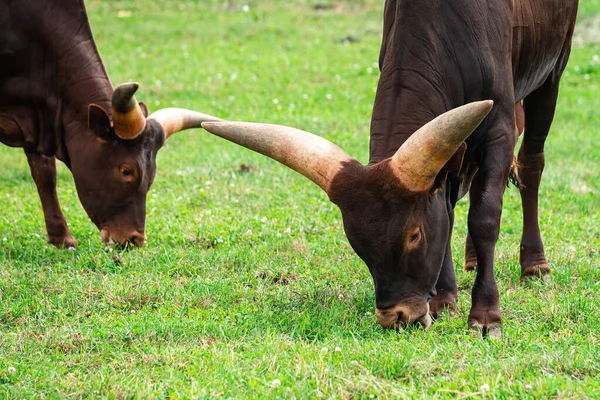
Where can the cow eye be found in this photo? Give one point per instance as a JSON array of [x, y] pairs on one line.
[[413, 239], [127, 172], [415, 236]]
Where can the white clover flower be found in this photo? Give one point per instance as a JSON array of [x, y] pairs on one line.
[[124, 14], [484, 388], [12, 370], [275, 383]]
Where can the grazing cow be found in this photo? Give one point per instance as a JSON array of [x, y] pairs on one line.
[[398, 211], [57, 102]]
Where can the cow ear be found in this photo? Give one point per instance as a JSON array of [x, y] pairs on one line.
[[144, 108], [451, 169], [99, 122]]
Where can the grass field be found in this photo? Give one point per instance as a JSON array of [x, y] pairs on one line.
[[247, 287]]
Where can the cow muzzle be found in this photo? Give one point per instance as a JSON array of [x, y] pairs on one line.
[[403, 315], [122, 239]]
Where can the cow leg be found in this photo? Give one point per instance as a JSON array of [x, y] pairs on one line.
[[447, 291], [470, 255], [539, 112], [43, 171], [484, 223]]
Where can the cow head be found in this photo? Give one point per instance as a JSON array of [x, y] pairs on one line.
[[114, 172], [394, 217]]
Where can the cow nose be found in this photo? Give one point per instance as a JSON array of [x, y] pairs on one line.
[[401, 316], [137, 239], [122, 239], [391, 318]]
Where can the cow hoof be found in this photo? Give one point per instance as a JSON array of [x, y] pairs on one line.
[[536, 271], [442, 303], [486, 323], [490, 331], [471, 265], [66, 242]]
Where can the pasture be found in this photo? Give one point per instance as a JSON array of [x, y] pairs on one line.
[[247, 287]]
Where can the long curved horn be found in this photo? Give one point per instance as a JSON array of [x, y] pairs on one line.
[[314, 157], [418, 161], [174, 120], [128, 119]]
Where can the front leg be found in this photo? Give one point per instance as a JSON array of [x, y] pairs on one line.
[[43, 171], [470, 255], [484, 225], [447, 291]]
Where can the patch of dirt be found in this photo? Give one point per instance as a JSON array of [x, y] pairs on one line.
[[245, 168], [348, 40], [201, 242], [587, 31], [68, 345], [278, 278], [323, 7]]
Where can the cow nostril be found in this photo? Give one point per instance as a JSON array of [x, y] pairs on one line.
[[137, 239], [389, 318], [400, 317]]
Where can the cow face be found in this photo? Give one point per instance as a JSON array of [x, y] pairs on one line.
[[114, 169], [113, 176], [400, 235], [395, 215]]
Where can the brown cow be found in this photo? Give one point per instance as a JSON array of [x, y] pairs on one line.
[[55, 102], [398, 211]]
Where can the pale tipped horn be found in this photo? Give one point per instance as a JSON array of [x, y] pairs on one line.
[[418, 161], [312, 156], [128, 119], [174, 120]]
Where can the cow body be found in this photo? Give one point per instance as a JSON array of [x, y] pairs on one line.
[[439, 55], [435, 137], [57, 102], [50, 72]]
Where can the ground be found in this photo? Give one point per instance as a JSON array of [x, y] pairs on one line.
[[247, 287]]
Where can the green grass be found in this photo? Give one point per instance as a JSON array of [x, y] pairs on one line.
[[247, 278]]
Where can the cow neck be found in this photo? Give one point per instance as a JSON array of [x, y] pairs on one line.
[[421, 74], [82, 84], [399, 111], [80, 74]]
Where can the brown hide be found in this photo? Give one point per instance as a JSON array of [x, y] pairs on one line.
[[434, 57], [55, 102], [437, 56]]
